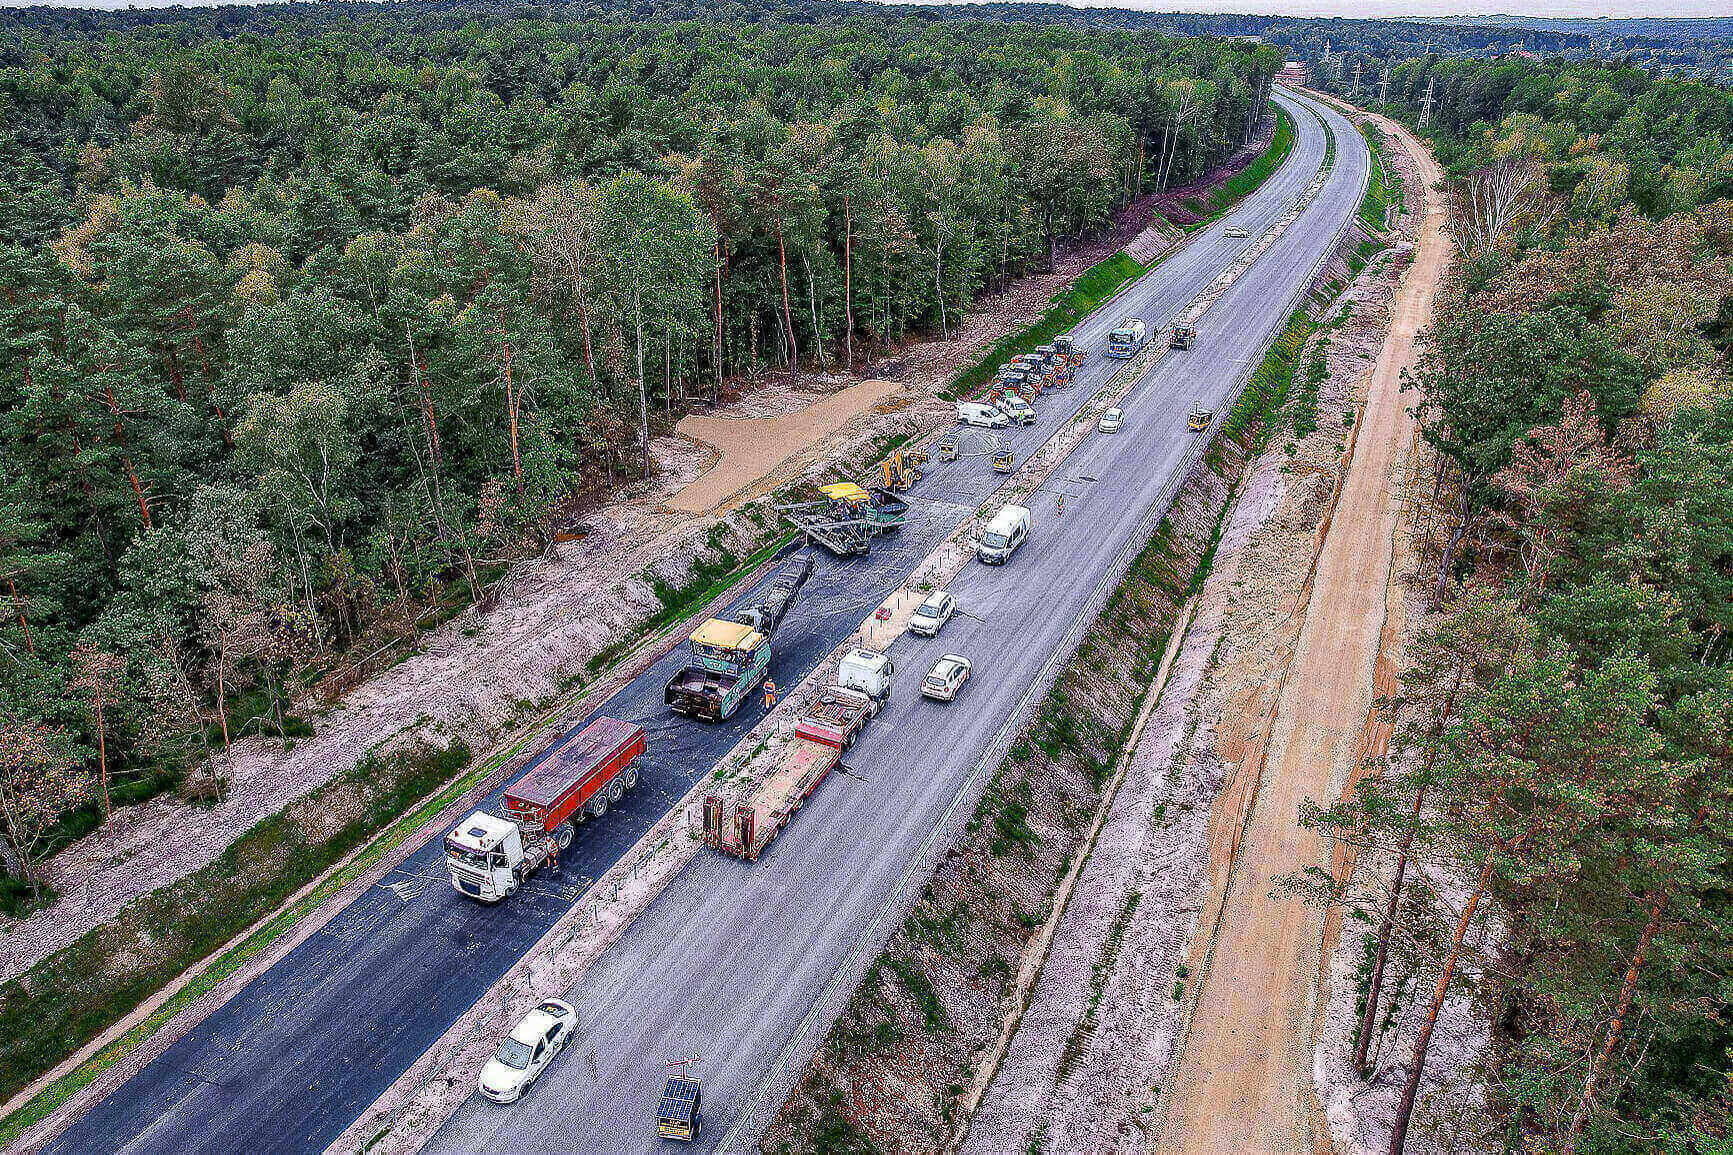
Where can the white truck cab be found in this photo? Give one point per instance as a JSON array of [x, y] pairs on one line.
[[868, 672], [485, 853]]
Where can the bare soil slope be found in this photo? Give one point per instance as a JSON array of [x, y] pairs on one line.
[[1243, 1079]]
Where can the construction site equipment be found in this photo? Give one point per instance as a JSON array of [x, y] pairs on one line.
[[678, 1115], [1069, 352], [901, 469], [730, 657], [848, 517], [1200, 419], [743, 827], [948, 449], [1003, 462], [489, 856], [1183, 336], [1127, 339]]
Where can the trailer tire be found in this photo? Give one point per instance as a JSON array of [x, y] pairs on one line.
[[616, 789], [598, 805], [631, 777], [563, 834]]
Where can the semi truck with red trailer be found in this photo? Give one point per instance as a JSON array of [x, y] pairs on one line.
[[489, 856], [743, 827]]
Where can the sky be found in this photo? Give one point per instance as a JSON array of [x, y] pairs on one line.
[[1366, 8]]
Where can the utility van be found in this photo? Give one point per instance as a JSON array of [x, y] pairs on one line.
[[1004, 535], [1017, 409], [977, 413]]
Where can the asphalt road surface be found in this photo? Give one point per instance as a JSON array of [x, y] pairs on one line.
[[727, 964]]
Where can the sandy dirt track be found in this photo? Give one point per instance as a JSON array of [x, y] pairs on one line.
[[1243, 1081], [752, 448]]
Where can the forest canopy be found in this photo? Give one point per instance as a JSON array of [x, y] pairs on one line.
[[311, 312]]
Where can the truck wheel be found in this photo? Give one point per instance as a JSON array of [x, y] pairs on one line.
[[616, 788], [563, 835], [631, 777], [598, 806]]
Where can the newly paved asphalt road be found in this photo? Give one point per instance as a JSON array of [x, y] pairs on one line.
[[730, 960]]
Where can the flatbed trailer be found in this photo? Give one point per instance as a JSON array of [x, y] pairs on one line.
[[744, 827]]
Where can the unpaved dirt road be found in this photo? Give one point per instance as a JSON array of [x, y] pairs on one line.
[[1243, 1080], [752, 448]]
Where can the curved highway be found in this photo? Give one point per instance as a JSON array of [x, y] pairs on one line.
[[742, 964]]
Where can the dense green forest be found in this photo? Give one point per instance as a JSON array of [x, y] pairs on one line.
[[313, 312], [1567, 736]]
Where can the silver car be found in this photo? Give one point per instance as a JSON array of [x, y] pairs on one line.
[[946, 678], [932, 614], [526, 1052]]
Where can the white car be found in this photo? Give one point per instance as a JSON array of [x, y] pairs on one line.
[[932, 614], [1110, 421], [527, 1051], [1233, 231], [946, 678]]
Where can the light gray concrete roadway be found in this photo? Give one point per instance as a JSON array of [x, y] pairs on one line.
[[742, 964]]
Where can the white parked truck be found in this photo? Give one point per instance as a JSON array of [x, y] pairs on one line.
[[490, 856], [867, 672], [1127, 338]]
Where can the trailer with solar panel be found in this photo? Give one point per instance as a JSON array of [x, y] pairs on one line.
[[784, 774], [679, 1114]]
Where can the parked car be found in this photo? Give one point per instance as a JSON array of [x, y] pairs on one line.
[[526, 1052], [946, 678], [1111, 421], [1233, 231], [1017, 409], [932, 614]]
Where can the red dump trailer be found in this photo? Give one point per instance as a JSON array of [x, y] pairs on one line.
[[581, 775], [489, 856], [743, 827]]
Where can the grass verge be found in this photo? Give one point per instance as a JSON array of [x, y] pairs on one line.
[[1249, 179], [1383, 185]]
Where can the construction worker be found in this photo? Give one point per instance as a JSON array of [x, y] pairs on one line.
[[1061, 503], [769, 694]]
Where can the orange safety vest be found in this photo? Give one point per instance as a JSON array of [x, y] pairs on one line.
[[769, 693]]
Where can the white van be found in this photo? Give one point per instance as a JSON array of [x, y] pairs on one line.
[[1004, 535], [978, 413], [1017, 409]]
